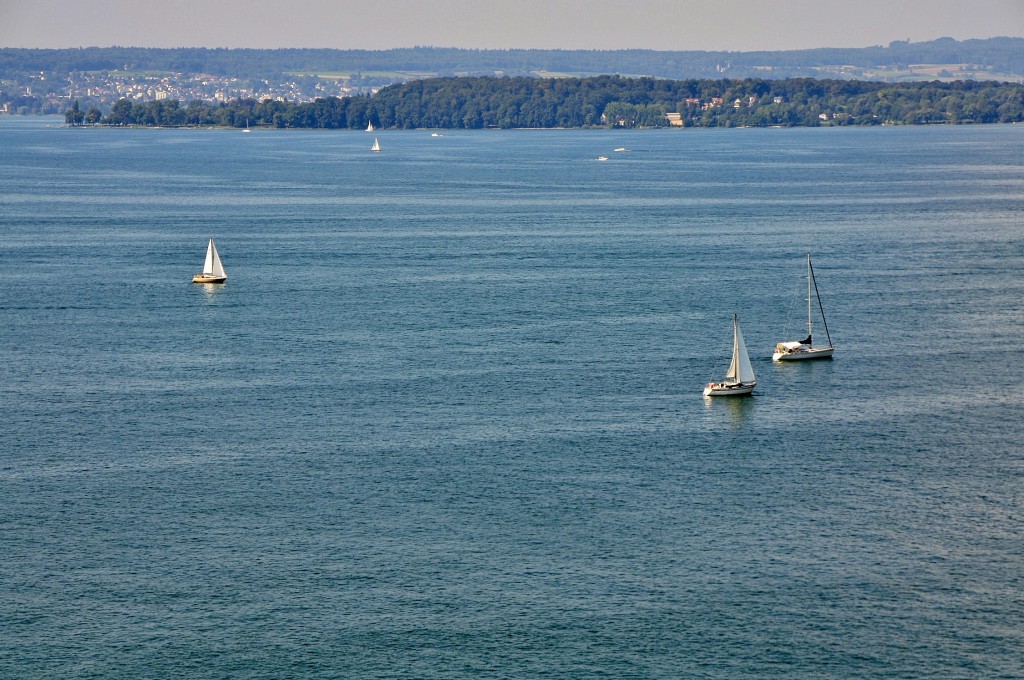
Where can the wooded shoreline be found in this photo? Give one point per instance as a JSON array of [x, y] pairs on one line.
[[603, 101]]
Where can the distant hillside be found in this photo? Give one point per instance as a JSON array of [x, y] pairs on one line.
[[47, 80], [999, 58]]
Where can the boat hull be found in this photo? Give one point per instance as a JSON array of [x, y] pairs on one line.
[[729, 389], [207, 278], [804, 355]]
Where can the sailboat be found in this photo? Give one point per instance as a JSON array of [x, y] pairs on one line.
[[799, 350], [213, 270], [369, 126], [739, 379], [376, 145]]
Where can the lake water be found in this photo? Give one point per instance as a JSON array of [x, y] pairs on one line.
[[445, 417]]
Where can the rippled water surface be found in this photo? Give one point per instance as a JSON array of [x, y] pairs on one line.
[[445, 418]]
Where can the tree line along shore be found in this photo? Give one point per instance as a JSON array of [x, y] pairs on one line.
[[603, 101]]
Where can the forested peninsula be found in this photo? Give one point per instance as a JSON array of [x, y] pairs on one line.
[[603, 101]]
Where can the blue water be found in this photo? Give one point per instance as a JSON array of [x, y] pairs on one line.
[[445, 417]]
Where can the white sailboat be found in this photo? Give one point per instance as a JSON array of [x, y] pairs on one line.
[[369, 126], [213, 269], [376, 145], [739, 379], [800, 350]]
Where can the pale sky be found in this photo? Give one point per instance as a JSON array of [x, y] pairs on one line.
[[732, 25]]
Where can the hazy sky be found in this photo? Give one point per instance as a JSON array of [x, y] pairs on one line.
[[736, 25]]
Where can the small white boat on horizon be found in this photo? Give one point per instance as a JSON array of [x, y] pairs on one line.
[[213, 269], [801, 350], [376, 145], [739, 379], [369, 126]]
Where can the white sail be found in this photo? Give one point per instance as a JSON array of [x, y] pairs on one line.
[[740, 369], [376, 145], [369, 127], [208, 265], [213, 265], [218, 267]]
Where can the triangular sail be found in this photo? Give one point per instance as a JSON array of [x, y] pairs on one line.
[[740, 370], [217, 268], [208, 265]]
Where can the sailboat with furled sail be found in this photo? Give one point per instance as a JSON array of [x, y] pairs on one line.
[[739, 379], [213, 269], [800, 350]]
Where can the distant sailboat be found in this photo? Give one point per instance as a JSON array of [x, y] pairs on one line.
[[369, 126], [213, 270], [376, 145], [799, 350], [739, 379]]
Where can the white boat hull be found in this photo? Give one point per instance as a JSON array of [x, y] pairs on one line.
[[729, 389], [208, 278], [804, 354]]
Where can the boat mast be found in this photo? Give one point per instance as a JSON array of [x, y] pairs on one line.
[[810, 334], [810, 273], [734, 366], [738, 373]]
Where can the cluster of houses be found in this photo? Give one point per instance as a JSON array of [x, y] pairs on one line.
[[209, 87], [104, 88], [676, 119]]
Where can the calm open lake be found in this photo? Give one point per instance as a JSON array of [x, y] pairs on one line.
[[445, 418]]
